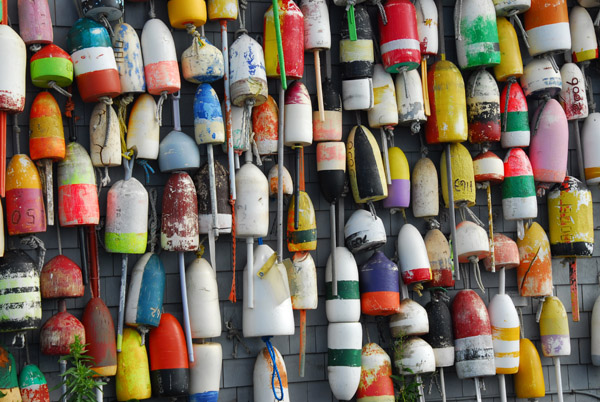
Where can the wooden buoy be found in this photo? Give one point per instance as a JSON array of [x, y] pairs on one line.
[[128, 54], [584, 46], [33, 385], [519, 201], [540, 78], [183, 13], [412, 255], [375, 381], [357, 56], [51, 67], [365, 167], [380, 292], [463, 176], [9, 385], [483, 107], [24, 198], [160, 59], [344, 340], [133, 375], [425, 189], [292, 36], [329, 129], [400, 45], [265, 125], [345, 307], [143, 130], [440, 335], [105, 136], [477, 34], [205, 372], [144, 302], [35, 23], [409, 99], [529, 380], [506, 253], [504, 320], [547, 27], [415, 357], [440, 260], [511, 64], [534, 274], [514, 117], [364, 231], [411, 320]]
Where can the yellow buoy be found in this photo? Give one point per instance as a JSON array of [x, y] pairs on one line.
[[222, 9], [511, 63], [463, 176], [534, 273], [186, 12], [133, 373], [303, 237], [554, 328], [529, 380]]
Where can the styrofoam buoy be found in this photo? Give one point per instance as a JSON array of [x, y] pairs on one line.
[[514, 117], [268, 384], [471, 242], [33, 385], [540, 78], [399, 190], [24, 197], [9, 384], [463, 176], [440, 335], [573, 97], [208, 118], [35, 23], [384, 112], [292, 36], [438, 252], [203, 299], [298, 116], [411, 320], [304, 237], [506, 253], [380, 292], [425, 189], [345, 307], [357, 56], [183, 13], [400, 45], [488, 167], [143, 131], [265, 125], [105, 136], [507, 7], [412, 255], [50, 67], [584, 45], [534, 274], [344, 345], [427, 26], [504, 320], [483, 107], [409, 99], [554, 328], [143, 307], [252, 206], [128, 54], [205, 372], [358, 94], [511, 64], [547, 27], [247, 71], [160, 58], [202, 62], [364, 231], [60, 278], [415, 357], [202, 182], [273, 179], [365, 166], [529, 380], [375, 381], [133, 373], [477, 36], [302, 276], [590, 143], [329, 129], [331, 169], [518, 189]]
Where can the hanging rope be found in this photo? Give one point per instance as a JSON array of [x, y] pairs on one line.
[[457, 18], [514, 18], [477, 272], [153, 224], [147, 168], [381, 12], [536, 125], [152, 12], [34, 242], [159, 106], [62, 91], [122, 116], [242, 19], [106, 23], [267, 341]]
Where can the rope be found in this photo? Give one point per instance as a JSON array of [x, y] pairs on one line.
[[159, 106], [538, 118], [254, 147], [153, 224], [152, 12], [381, 12], [147, 168], [242, 18], [122, 116], [104, 179], [191, 29], [105, 22], [472, 215], [62, 91], [477, 272], [514, 18], [457, 19], [267, 341], [34, 242], [553, 62]]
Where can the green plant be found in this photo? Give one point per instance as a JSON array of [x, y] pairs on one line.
[[405, 383], [79, 378]]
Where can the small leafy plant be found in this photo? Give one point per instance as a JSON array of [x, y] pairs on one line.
[[79, 378], [407, 386]]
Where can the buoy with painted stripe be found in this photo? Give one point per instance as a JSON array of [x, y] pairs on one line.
[[21, 305], [298, 116], [169, 369], [380, 292], [160, 59], [399, 190], [208, 117], [427, 26], [473, 343], [540, 78], [202, 62], [77, 194], [271, 314], [384, 111], [412, 255], [247, 71], [105, 136], [331, 169], [506, 253], [143, 131], [573, 97], [273, 180], [409, 99], [202, 182], [511, 63], [292, 37], [143, 307], [9, 385], [477, 37], [591, 141], [266, 383], [514, 117], [547, 27], [205, 372], [35, 23], [183, 13], [265, 125], [60, 278], [25, 210], [483, 107], [411, 320], [344, 346], [518, 189], [12, 81], [240, 129], [128, 53], [329, 129], [507, 7], [504, 320], [488, 167], [425, 189], [534, 273], [400, 45], [133, 375], [345, 307], [472, 243], [203, 299], [375, 381], [463, 176], [584, 45], [304, 236], [595, 332], [529, 380], [94, 62], [302, 275], [357, 94], [365, 167], [357, 56], [448, 120], [548, 151], [554, 328], [33, 385], [364, 231], [440, 335], [415, 357], [440, 260], [51, 67]]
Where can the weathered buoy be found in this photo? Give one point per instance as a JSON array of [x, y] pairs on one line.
[[534, 273], [518, 189], [590, 143], [143, 131], [51, 66], [100, 336], [514, 117], [344, 340], [411, 320], [412, 255], [298, 116], [554, 328], [143, 307], [25, 210], [9, 385], [329, 129], [357, 56], [345, 307], [415, 357], [252, 205], [364, 231], [573, 97], [331, 169], [12, 81], [440, 335], [477, 34], [400, 45], [304, 237], [375, 381], [35, 23], [59, 332], [463, 176], [483, 107], [540, 78], [409, 99], [488, 167], [427, 26], [380, 292], [399, 190], [183, 13], [128, 54], [473, 344], [511, 64], [584, 46], [202, 182], [365, 167], [105, 136], [547, 27], [529, 380], [202, 62], [265, 125], [133, 375], [507, 7], [472, 243], [302, 275], [384, 111], [506, 253], [60, 278], [357, 94], [33, 385], [109, 10], [273, 180], [292, 36], [208, 117], [126, 228], [247, 71], [179, 229], [440, 260], [205, 372], [504, 320], [160, 58], [425, 189], [267, 384]]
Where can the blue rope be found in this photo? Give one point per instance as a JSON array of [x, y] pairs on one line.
[[260, 243], [147, 168], [271, 349]]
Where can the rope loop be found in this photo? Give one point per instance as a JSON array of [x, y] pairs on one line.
[[271, 349]]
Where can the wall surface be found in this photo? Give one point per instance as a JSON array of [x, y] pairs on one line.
[[578, 374]]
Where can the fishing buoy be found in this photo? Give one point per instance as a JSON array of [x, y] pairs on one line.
[[400, 45], [143, 307], [265, 126], [472, 245], [440, 335], [384, 111], [105, 136], [409, 99], [247, 71], [399, 190], [583, 37], [540, 78], [357, 56], [208, 117], [271, 314], [126, 228], [554, 331], [59, 332], [302, 275], [412, 255], [268, 383], [169, 370], [133, 375], [375, 381], [160, 59], [518, 189], [292, 36], [364, 231], [344, 340], [548, 150], [33, 385], [202, 62], [9, 385], [427, 26], [463, 176], [286, 179], [345, 307], [529, 380], [590, 141], [473, 344], [514, 117], [573, 96], [511, 64], [35, 23], [178, 151], [179, 229], [304, 237], [202, 181], [477, 34], [61, 277], [380, 292], [298, 116], [440, 260], [143, 131], [222, 9], [547, 27], [109, 10], [252, 205], [588, 3], [51, 67], [203, 299], [128, 53], [483, 107], [534, 273], [504, 320], [448, 120], [331, 169], [506, 253], [21, 307], [77, 194], [205, 372], [411, 320], [12, 83], [415, 357], [365, 167], [100, 336], [25, 210], [357, 94], [425, 189], [94, 62], [183, 13], [330, 129], [488, 167]]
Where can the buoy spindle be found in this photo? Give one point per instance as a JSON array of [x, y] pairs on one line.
[[386, 156], [451, 212], [477, 390], [228, 112], [334, 285], [280, 155], [186, 311], [559, 390], [250, 271], [121, 317]]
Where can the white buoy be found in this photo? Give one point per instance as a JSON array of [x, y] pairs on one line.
[[357, 94], [268, 385], [411, 320], [345, 307], [205, 372], [344, 344], [412, 255], [203, 299]]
